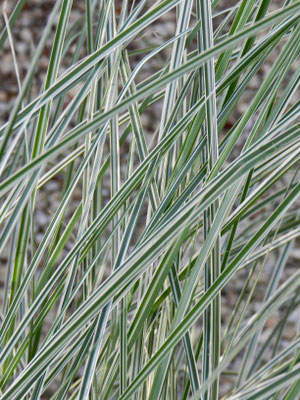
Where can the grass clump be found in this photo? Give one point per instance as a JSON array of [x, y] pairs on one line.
[[124, 294]]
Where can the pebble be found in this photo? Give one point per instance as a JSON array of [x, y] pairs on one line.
[[272, 322], [52, 186], [41, 219], [290, 333]]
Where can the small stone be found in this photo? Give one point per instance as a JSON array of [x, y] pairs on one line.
[[295, 254], [272, 322], [290, 333], [41, 218], [52, 186]]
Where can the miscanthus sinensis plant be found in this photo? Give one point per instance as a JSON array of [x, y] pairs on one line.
[[123, 296]]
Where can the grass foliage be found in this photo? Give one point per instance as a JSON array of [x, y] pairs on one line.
[[123, 295]]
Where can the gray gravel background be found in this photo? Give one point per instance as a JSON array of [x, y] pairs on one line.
[[26, 34]]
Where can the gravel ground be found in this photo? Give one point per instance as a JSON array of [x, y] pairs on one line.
[[26, 35]]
